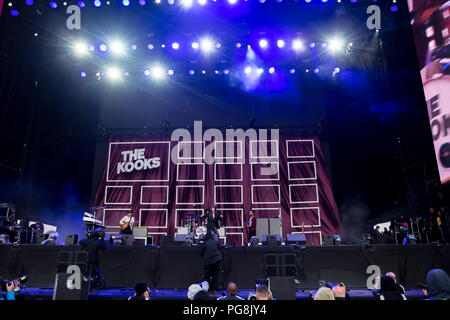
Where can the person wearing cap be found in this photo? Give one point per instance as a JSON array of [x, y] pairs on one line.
[[141, 292], [199, 291]]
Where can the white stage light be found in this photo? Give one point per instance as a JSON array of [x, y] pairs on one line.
[[117, 47], [297, 45], [336, 45], [186, 3], [195, 45], [248, 70], [207, 45], [157, 72], [263, 43], [232, 1], [280, 43], [202, 2], [80, 48], [175, 45], [113, 73]]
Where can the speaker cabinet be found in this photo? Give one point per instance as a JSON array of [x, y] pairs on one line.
[[296, 238], [167, 241], [262, 227], [271, 240], [127, 240]]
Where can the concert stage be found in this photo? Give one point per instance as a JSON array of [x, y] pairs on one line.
[[178, 267]]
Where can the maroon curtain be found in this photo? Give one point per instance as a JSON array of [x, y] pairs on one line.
[[297, 189]]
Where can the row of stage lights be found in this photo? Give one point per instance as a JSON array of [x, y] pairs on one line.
[[207, 45], [184, 3], [159, 72]]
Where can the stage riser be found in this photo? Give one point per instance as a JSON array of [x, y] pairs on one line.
[[178, 267]]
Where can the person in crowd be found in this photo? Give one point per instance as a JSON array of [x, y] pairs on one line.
[[263, 293], [376, 235], [9, 288], [7, 227], [36, 229], [93, 245], [438, 284], [251, 225], [199, 291], [387, 289], [400, 288], [324, 293], [387, 236], [141, 292], [232, 290], [339, 292], [212, 257]]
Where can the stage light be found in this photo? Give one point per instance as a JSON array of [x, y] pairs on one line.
[[191, 72], [336, 45], [170, 72], [337, 70], [312, 45], [307, 1], [260, 71], [394, 8], [113, 73], [170, 2], [141, 2], [83, 74], [53, 4], [126, 3], [91, 47], [80, 48], [226, 71], [292, 71], [175, 45], [157, 72], [203, 72], [238, 45], [324, 44], [117, 48], [10, 4], [248, 70], [218, 45], [281, 43], [316, 70], [216, 71], [157, 1], [133, 47], [150, 46], [81, 4], [97, 3], [297, 45], [202, 2], [147, 72], [29, 2], [195, 45], [271, 70], [163, 46], [262, 1], [206, 45], [186, 3], [232, 2], [14, 13], [263, 43], [103, 47]]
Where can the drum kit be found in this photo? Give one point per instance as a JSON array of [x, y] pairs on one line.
[[194, 226]]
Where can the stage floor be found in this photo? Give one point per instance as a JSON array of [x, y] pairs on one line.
[[179, 267], [181, 294]]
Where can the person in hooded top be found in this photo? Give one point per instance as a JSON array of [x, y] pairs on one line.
[[389, 290], [199, 291], [438, 285]]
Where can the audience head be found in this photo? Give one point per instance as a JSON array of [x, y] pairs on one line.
[[392, 275], [438, 284], [195, 288], [142, 290], [232, 288], [324, 293], [387, 284], [339, 291], [263, 293]]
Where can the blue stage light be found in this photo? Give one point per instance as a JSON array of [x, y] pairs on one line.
[[195, 45], [103, 47], [186, 3], [292, 71], [280, 43], [206, 45], [238, 45], [191, 72], [175, 45], [81, 4], [324, 44], [83, 74], [202, 2], [394, 8], [126, 3], [141, 2], [337, 70], [170, 72], [53, 4], [312, 45], [271, 70], [170, 2], [150, 46], [307, 1], [29, 2], [316, 70], [14, 13], [297, 45], [97, 3]]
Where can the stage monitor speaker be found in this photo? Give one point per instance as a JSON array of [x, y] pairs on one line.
[[184, 239], [327, 240], [271, 240], [71, 239], [63, 292], [167, 241], [254, 241], [282, 288], [296, 238], [41, 238], [127, 240], [262, 227]]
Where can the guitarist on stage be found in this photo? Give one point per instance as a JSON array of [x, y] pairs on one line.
[[126, 224]]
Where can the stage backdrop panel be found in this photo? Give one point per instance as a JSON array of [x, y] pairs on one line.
[[162, 182]]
